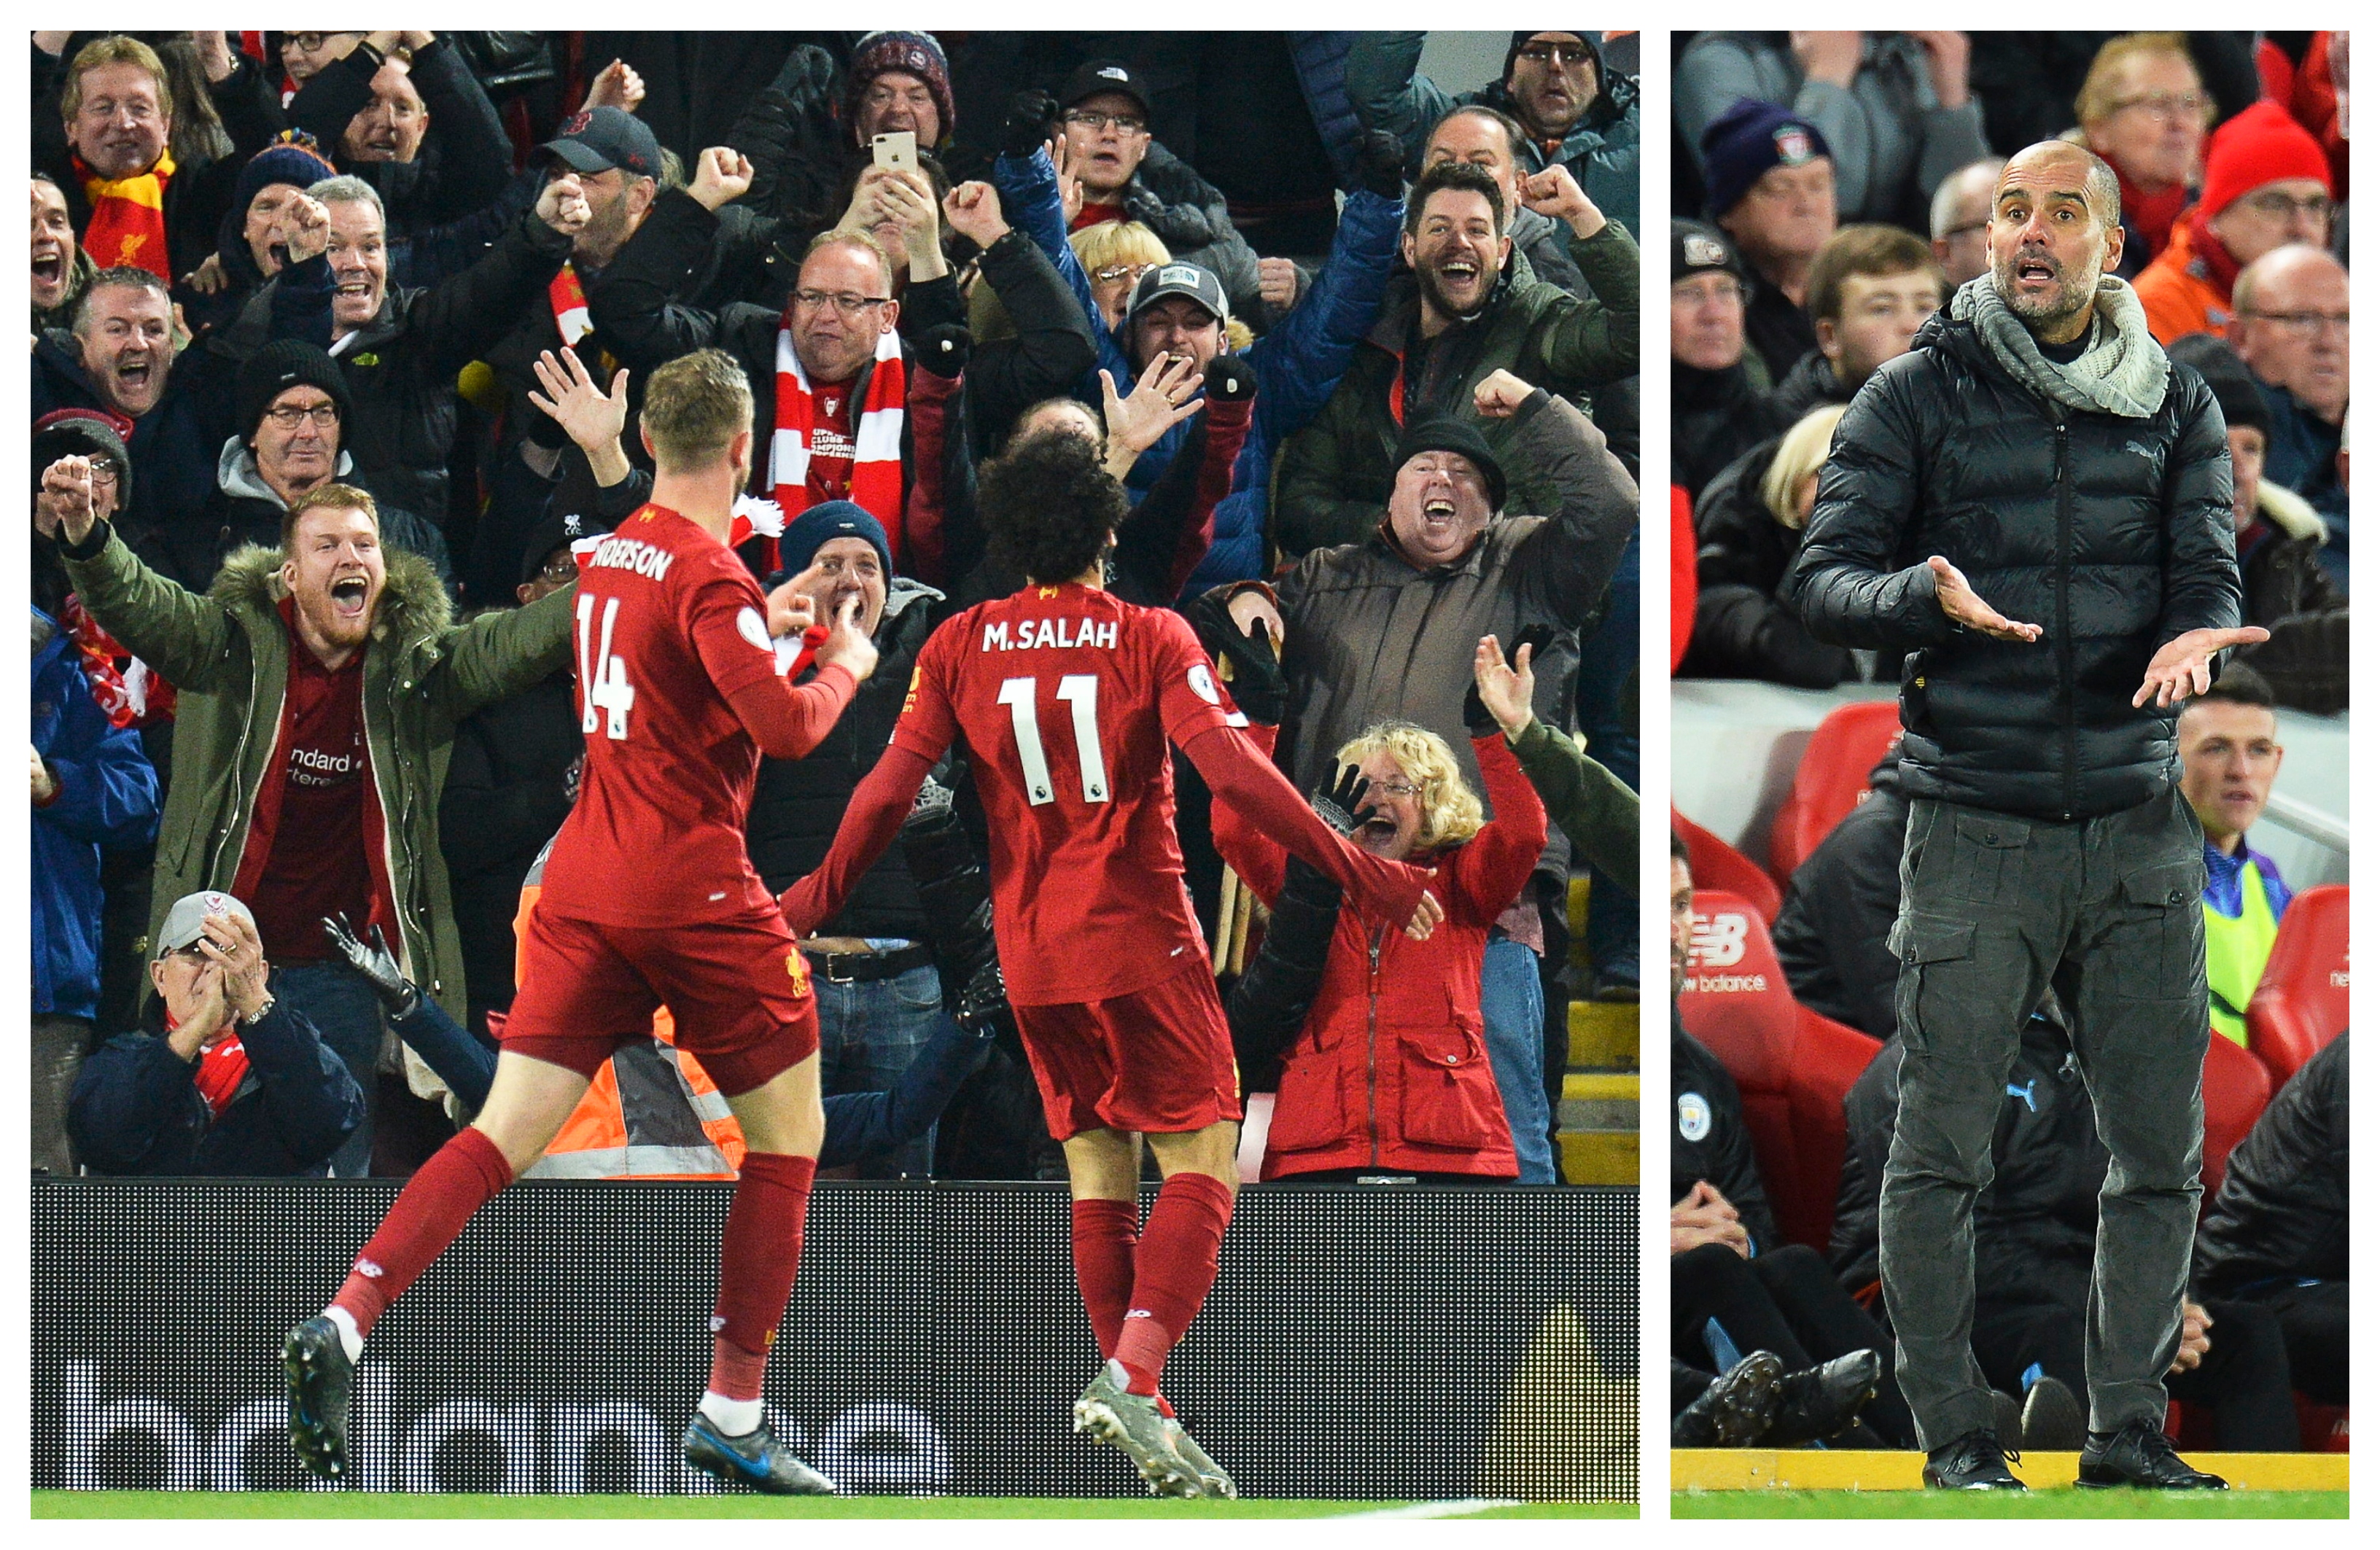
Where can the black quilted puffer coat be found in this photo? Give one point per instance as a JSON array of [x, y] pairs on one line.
[[2112, 533]]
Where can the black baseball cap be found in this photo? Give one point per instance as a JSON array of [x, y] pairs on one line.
[[597, 140], [1180, 278], [1096, 75], [554, 531]]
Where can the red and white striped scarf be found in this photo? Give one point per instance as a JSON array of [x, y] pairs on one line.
[[568, 299], [875, 440]]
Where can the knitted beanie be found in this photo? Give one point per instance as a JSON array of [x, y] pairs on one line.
[[2262, 144], [915, 54], [1743, 143]]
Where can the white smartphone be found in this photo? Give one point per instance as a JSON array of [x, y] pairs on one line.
[[898, 151]]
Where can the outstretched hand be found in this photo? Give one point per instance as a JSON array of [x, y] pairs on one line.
[[1167, 394], [2182, 666], [375, 962], [592, 417], [1342, 804], [1506, 691], [1959, 601]]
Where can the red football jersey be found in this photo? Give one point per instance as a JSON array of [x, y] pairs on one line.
[[1067, 699], [670, 624]]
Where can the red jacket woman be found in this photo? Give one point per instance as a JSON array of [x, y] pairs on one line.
[[1390, 1073]]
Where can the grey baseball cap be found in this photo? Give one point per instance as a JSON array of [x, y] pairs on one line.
[[186, 922], [1180, 278]]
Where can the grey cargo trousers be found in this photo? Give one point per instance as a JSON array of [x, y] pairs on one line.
[[1994, 909]]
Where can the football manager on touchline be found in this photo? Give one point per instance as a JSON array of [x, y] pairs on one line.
[[2036, 448]]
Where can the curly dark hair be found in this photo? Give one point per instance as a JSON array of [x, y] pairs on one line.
[[1049, 505]]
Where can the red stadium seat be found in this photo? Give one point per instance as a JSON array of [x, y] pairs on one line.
[[1719, 864], [2301, 1003], [1831, 779], [1790, 1065], [2238, 1087]]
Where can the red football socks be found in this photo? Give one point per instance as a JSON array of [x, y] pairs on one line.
[[757, 1255], [1105, 1234], [464, 1175], [1173, 1273]]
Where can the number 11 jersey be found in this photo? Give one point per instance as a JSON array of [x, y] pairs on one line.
[[1067, 698]]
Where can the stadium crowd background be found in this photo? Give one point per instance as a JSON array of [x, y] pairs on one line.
[[283, 278], [1831, 190]]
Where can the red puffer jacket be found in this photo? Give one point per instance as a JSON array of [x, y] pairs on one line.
[[1391, 1071]]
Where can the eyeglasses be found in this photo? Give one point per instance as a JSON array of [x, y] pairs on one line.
[[104, 471], [1968, 230], [2307, 323], [1555, 54], [1097, 122], [561, 569], [849, 303], [2165, 104], [307, 43], [289, 416], [1107, 275], [2280, 207], [1396, 788]]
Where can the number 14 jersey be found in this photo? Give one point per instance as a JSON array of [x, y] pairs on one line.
[[1066, 698]]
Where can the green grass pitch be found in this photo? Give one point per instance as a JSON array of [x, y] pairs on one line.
[[1992, 1504], [357, 1504]]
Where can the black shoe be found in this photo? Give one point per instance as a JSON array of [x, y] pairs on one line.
[[2053, 1422], [1820, 1402], [1737, 1408], [1974, 1462], [2139, 1454], [753, 1458], [319, 1375]]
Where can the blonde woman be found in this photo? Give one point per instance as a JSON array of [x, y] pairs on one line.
[[1390, 1071], [1747, 529]]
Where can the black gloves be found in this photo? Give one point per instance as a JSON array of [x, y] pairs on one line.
[[982, 1009], [1381, 162], [376, 963], [1342, 804], [1253, 670], [1032, 118], [944, 351], [1476, 718], [1231, 378]]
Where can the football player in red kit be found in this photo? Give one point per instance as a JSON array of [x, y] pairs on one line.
[[650, 898], [1066, 699]]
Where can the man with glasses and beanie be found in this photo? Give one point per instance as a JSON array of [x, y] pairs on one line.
[[831, 374], [2036, 451], [2267, 184]]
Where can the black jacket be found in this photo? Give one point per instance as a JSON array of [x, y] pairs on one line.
[[173, 447], [2282, 1210], [1832, 933], [1715, 418], [466, 157], [400, 366], [1707, 1136], [796, 803], [137, 1109], [1741, 552], [633, 310], [509, 784], [1777, 328], [2037, 1221], [2291, 594], [2113, 534], [1812, 384]]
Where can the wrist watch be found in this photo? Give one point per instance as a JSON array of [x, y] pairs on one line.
[[253, 1018]]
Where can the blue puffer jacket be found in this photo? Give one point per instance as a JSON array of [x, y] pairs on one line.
[[1298, 364], [137, 1109], [107, 796], [1321, 60]]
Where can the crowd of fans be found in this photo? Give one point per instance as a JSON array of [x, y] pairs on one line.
[[1844, 183], [339, 340], [1831, 193]]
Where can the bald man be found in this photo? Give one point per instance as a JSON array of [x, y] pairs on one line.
[[2036, 503], [2288, 324]]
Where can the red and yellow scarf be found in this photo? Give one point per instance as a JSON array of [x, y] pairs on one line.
[[127, 218], [876, 437]]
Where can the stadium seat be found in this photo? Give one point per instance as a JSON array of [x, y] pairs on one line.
[[1719, 864], [2238, 1087], [1791, 1066], [2301, 1003], [1831, 779]]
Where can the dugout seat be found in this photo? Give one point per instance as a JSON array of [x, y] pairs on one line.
[[2301, 1002], [1791, 1066], [1717, 865], [2238, 1087], [1831, 779]]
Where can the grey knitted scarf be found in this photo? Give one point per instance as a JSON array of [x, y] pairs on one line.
[[2122, 372]]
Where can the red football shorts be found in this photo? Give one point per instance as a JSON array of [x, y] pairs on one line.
[[737, 990], [1157, 1060]]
